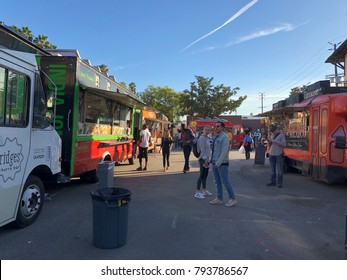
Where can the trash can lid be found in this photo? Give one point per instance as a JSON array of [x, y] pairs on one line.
[[110, 194]]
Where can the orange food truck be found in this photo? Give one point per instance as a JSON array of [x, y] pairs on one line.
[[311, 122]]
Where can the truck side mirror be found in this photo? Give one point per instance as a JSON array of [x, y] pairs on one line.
[[340, 142]]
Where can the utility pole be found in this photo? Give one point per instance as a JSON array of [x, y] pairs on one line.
[[335, 64], [262, 101]]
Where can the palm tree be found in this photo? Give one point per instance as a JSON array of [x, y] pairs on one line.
[[132, 87], [103, 68], [25, 31], [42, 42]]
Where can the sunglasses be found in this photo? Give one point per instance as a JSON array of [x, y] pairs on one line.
[[218, 126]]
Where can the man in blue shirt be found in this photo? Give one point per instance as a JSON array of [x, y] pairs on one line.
[[220, 165], [277, 142]]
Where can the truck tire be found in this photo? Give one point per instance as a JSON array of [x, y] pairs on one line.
[[31, 202]]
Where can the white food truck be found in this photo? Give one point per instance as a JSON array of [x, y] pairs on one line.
[[30, 148]]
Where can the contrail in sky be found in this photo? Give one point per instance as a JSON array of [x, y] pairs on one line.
[[240, 12]]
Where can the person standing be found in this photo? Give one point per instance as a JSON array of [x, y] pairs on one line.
[[187, 138], [166, 143], [220, 166], [145, 137], [247, 144], [277, 142], [204, 162], [178, 138]]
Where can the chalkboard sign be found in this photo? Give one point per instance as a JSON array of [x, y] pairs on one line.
[[259, 157]]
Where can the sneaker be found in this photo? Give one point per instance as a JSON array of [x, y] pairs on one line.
[[139, 169], [271, 184], [206, 193], [145, 169], [216, 201], [231, 202], [199, 195]]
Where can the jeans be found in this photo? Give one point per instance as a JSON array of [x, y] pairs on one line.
[[203, 175], [186, 151], [220, 175], [166, 158], [276, 164]]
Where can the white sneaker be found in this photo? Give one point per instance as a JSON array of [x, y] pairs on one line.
[[199, 195], [231, 203], [206, 192], [216, 201]]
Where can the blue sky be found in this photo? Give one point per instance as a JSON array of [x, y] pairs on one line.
[[260, 46]]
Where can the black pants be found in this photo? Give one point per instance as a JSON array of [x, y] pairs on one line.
[[186, 151], [203, 175], [143, 153], [166, 158]]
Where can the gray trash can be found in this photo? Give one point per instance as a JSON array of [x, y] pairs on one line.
[[105, 174], [110, 217]]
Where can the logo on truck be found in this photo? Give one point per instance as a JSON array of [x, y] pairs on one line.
[[11, 158]]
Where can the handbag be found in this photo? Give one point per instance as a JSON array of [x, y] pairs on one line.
[[242, 150]]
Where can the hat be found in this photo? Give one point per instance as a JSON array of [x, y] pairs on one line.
[[273, 127]]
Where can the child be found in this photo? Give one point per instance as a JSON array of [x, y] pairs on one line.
[[165, 148]]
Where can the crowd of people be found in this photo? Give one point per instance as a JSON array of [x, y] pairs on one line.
[[213, 146]]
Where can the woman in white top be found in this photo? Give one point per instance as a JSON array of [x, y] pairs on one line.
[[204, 162]]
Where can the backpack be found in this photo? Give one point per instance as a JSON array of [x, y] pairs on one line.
[[196, 150]]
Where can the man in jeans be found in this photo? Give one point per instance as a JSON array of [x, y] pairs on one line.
[[277, 142], [220, 165]]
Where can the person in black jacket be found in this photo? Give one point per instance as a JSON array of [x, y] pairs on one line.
[[187, 138], [166, 143]]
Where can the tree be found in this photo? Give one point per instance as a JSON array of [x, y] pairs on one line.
[[40, 40], [132, 87], [297, 90], [164, 99], [25, 31], [205, 100], [123, 84], [103, 69]]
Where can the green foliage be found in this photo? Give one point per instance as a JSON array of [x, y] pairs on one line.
[[164, 99], [123, 84], [297, 90], [40, 40], [132, 87], [206, 100], [103, 68]]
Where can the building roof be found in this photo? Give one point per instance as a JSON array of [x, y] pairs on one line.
[[339, 54]]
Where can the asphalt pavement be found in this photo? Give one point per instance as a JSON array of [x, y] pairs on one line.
[[304, 220]]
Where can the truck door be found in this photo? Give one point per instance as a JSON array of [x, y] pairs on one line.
[[315, 143]]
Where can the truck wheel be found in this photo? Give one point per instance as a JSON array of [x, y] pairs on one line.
[[31, 202]]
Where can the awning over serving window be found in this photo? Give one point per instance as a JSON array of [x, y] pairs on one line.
[[117, 96], [152, 116], [158, 120]]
